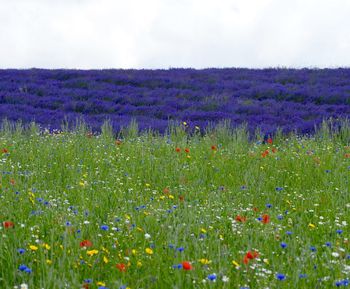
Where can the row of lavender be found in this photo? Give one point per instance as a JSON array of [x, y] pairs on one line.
[[269, 98]]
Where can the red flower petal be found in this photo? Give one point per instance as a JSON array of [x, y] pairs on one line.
[[186, 265]]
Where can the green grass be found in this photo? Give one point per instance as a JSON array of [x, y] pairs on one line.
[[59, 189]]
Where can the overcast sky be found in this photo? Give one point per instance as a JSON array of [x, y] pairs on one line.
[[174, 33]]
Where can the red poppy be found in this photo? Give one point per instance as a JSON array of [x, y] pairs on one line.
[[265, 219], [274, 150], [250, 256], [85, 286], [264, 153], [269, 140], [85, 243], [181, 198], [121, 267], [214, 148], [8, 224], [5, 150], [240, 219], [186, 265], [12, 182], [347, 156], [255, 209], [166, 191], [118, 142], [178, 150], [187, 150]]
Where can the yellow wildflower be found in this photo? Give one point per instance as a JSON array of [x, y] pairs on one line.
[[235, 263], [204, 261], [149, 251], [92, 252], [46, 246], [33, 247]]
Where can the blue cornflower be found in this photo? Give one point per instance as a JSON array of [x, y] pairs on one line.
[[104, 227], [88, 281], [259, 219], [327, 171], [339, 232], [212, 277], [289, 233], [21, 251], [22, 267], [344, 282], [180, 249], [68, 223], [313, 249], [28, 270], [268, 206], [301, 276], [280, 276], [279, 189], [283, 245], [177, 266], [328, 244], [279, 217]]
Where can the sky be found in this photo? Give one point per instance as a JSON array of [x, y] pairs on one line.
[[152, 34]]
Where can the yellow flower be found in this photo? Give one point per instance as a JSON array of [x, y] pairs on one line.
[[99, 283], [147, 185], [171, 197], [204, 261], [203, 230], [46, 246], [235, 263], [139, 264], [48, 262], [33, 247], [105, 259], [149, 251], [92, 252], [133, 251], [312, 226]]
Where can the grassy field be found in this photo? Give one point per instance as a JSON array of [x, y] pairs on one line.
[[80, 210]]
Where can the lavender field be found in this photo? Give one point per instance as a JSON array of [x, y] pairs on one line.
[[287, 98]]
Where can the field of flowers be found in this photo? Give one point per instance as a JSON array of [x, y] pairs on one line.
[[288, 98], [220, 210]]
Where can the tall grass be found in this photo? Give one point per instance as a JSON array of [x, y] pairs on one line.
[[172, 198]]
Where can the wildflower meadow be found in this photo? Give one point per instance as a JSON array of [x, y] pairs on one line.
[[220, 209]]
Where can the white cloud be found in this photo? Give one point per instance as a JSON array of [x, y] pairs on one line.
[[174, 33]]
